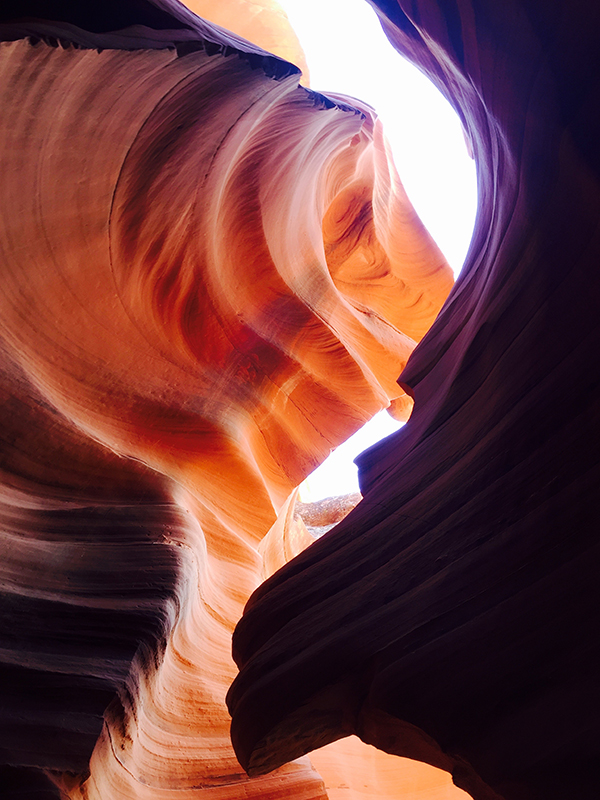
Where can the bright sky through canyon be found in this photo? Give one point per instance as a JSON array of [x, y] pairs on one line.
[[347, 52]]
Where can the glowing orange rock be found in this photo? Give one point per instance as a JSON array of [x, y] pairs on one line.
[[186, 328], [353, 770]]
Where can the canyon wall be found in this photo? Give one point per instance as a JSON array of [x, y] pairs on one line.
[[211, 276], [452, 616]]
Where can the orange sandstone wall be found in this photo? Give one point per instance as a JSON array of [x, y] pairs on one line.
[[211, 277]]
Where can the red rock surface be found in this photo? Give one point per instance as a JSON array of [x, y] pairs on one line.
[[452, 617], [210, 277]]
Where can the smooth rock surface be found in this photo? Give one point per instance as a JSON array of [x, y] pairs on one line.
[[452, 617], [210, 278]]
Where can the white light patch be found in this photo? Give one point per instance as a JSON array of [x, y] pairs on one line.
[[348, 53], [338, 474]]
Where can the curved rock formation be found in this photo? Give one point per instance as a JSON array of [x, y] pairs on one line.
[[210, 277], [262, 22], [350, 769], [452, 616]]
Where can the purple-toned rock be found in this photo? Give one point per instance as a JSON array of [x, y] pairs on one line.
[[452, 617]]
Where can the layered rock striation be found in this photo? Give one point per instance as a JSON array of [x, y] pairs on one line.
[[451, 617], [211, 276]]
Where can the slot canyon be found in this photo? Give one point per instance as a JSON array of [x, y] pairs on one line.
[[211, 277]]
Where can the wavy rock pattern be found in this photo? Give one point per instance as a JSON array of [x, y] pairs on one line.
[[211, 277], [451, 616]]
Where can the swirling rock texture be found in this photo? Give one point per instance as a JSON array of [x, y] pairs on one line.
[[452, 617], [210, 277]]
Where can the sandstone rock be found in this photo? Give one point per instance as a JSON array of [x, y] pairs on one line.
[[322, 515], [186, 331], [262, 22], [451, 617]]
